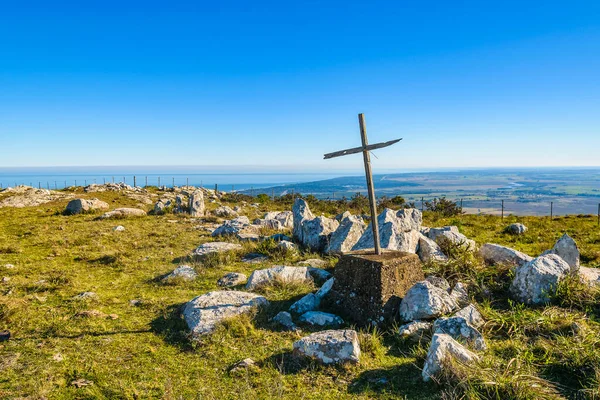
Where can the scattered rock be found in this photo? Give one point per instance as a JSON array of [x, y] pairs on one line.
[[86, 296], [319, 275], [119, 228], [79, 383], [460, 294], [268, 223], [442, 349], [319, 318], [284, 318], [288, 246], [330, 347], [536, 281], [225, 212], [316, 232], [232, 279], [309, 302], [426, 301], [439, 282], [416, 331], [285, 218], [26, 196], [183, 272], [325, 289], [471, 315], [516, 229], [450, 234], [395, 232], [90, 314], [245, 364], [196, 203], [248, 237], [590, 275], [278, 237], [566, 248], [346, 235], [301, 212], [430, 251], [255, 258], [78, 206], [123, 213], [313, 262], [135, 302], [280, 273], [235, 226], [215, 247], [203, 313], [459, 329], [500, 255], [9, 266]]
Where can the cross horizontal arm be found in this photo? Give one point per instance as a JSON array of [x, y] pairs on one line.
[[360, 149]]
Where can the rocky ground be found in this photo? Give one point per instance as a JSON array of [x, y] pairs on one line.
[[111, 291]]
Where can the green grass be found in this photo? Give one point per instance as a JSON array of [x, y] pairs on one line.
[[146, 352]]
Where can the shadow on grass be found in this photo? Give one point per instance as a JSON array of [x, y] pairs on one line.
[[288, 363], [172, 328], [404, 380]]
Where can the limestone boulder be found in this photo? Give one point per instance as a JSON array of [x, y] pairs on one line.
[[566, 248], [425, 301], [316, 232], [319, 318], [450, 235], [203, 313], [287, 245], [442, 350], [495, 254], [392, 233], [459, 329], [325, 289], [310, 302], [79, 206], [301, 212], [183, 273], [285, 218], [516, 229], [215, 247], [430, 251], [591, 276], [284, 319], [471, 315], [232, 279], [415, 331], [460, 294], [535, 282], [196, 203], [282, 274], [225, 212], [235, 226], [123, 213], [330, 347], [346, 235]]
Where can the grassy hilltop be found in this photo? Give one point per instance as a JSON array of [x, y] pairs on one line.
[[108, 348]]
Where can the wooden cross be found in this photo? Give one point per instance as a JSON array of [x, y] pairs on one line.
[[365, 148]]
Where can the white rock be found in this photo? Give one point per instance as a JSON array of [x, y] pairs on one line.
[[451, 234], [590, 275], [225, 212], [441, 350], [280, 273], [309, 302], [78, 206], [313, 262], [183, 272], [426, 301], [289, 246], [410, 219], [460, 294], [346, 235], [284, 318], [123, 212], [459, 329], [536, 281], [232, 279], [330, 347], [325, 289], [471, 315], [516, 229], [316, 232], [203, 313], [415, 331], [500, 255], [301, 212], [319, 318], [567, 249], [119, 228], [430, 251], [215, 247], [318, 274], [196, 203], [392, 233], [234, 226]]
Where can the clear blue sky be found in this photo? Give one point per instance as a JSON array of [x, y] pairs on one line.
[[466, 84]]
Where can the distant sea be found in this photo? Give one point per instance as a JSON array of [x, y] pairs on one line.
[[61, 177]]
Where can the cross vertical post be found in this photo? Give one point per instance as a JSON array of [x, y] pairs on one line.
[[370, 188]]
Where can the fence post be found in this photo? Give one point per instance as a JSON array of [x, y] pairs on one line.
[[187, 181], [146, 181], [134, 183], [422, 205], [173, 182], [273, 194], [502, 209], [598, 214], [75, 182], [216, 188], [55, 187], [39, 185], [159, 181], [551, 210], [461, 205]]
